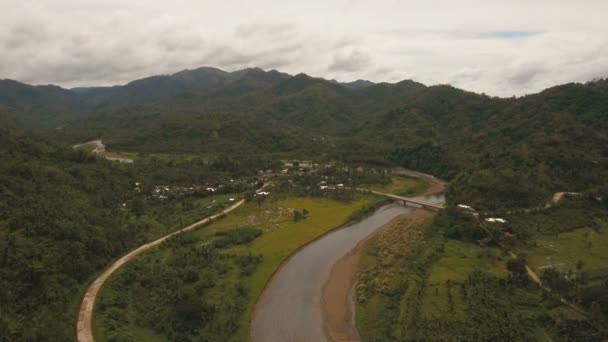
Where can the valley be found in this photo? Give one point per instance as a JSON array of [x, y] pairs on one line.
[[303, 171], [280, 236], [157, 212]]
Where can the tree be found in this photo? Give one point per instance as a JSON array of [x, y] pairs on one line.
[[297, 215], [517, 268], [556, 280], [139, 206], [249, 196]]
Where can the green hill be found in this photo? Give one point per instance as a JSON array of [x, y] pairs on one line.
[[499, 152]]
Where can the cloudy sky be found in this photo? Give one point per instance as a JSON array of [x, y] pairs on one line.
[[498, 47]]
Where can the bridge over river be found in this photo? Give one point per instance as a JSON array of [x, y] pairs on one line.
[[406, 200]]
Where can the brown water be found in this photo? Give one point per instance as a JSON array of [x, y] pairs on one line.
[[289, 309]]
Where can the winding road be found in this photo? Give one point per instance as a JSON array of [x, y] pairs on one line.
[[293, 294], [84, 323]]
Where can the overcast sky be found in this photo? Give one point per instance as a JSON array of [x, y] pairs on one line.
[[498, 47]]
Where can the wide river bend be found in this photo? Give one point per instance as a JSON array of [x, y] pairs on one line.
[[289, 309]]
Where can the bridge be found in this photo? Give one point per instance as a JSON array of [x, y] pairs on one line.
[[406, 200]]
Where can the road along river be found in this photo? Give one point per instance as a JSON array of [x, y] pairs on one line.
[[290, 308], [84, 321]]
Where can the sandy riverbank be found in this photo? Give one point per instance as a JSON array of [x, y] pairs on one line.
[[337, 297]]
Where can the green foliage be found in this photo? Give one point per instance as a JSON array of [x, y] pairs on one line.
[[426, 157], [517, 268], [181, 291], [237, 236], [572, 213], [65, 215], [499, 153], [443, 293], [555, 280], [60, 224], [297, 215], [62, 218], [367, 210]]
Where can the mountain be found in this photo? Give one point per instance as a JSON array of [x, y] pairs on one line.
[[155, 88], [498, 152], [261, 112], [355, 85], [505, 152], [44, 103], [53, 104]]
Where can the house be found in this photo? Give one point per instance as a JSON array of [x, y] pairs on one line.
[[495, 219], [465, 207]]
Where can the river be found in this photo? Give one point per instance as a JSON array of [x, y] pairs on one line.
[[289, 309]]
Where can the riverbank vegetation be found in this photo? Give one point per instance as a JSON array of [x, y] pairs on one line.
[[497, 153], [403, 186], [213, 275], [460, 282], [65, 215]]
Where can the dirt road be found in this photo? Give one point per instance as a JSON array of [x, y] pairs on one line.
[[84, 323]]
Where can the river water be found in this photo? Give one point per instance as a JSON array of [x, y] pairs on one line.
[[289, 309]]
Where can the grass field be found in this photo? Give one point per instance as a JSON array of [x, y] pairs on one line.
[[281, 236], [380, 281], [403, 185], [564, 250], [427, 295], [448, 289], [87, 147], [165, 156], [171, 215], [458, 260], [442, 295]]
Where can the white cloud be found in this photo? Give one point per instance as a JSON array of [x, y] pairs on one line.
[[498, 47], [353, 62]]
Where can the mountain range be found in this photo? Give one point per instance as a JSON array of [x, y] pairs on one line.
[[497, 151], [53, 102]]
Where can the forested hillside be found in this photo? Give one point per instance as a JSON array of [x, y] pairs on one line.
[[65, 215], [498, 152], [59, 225]]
